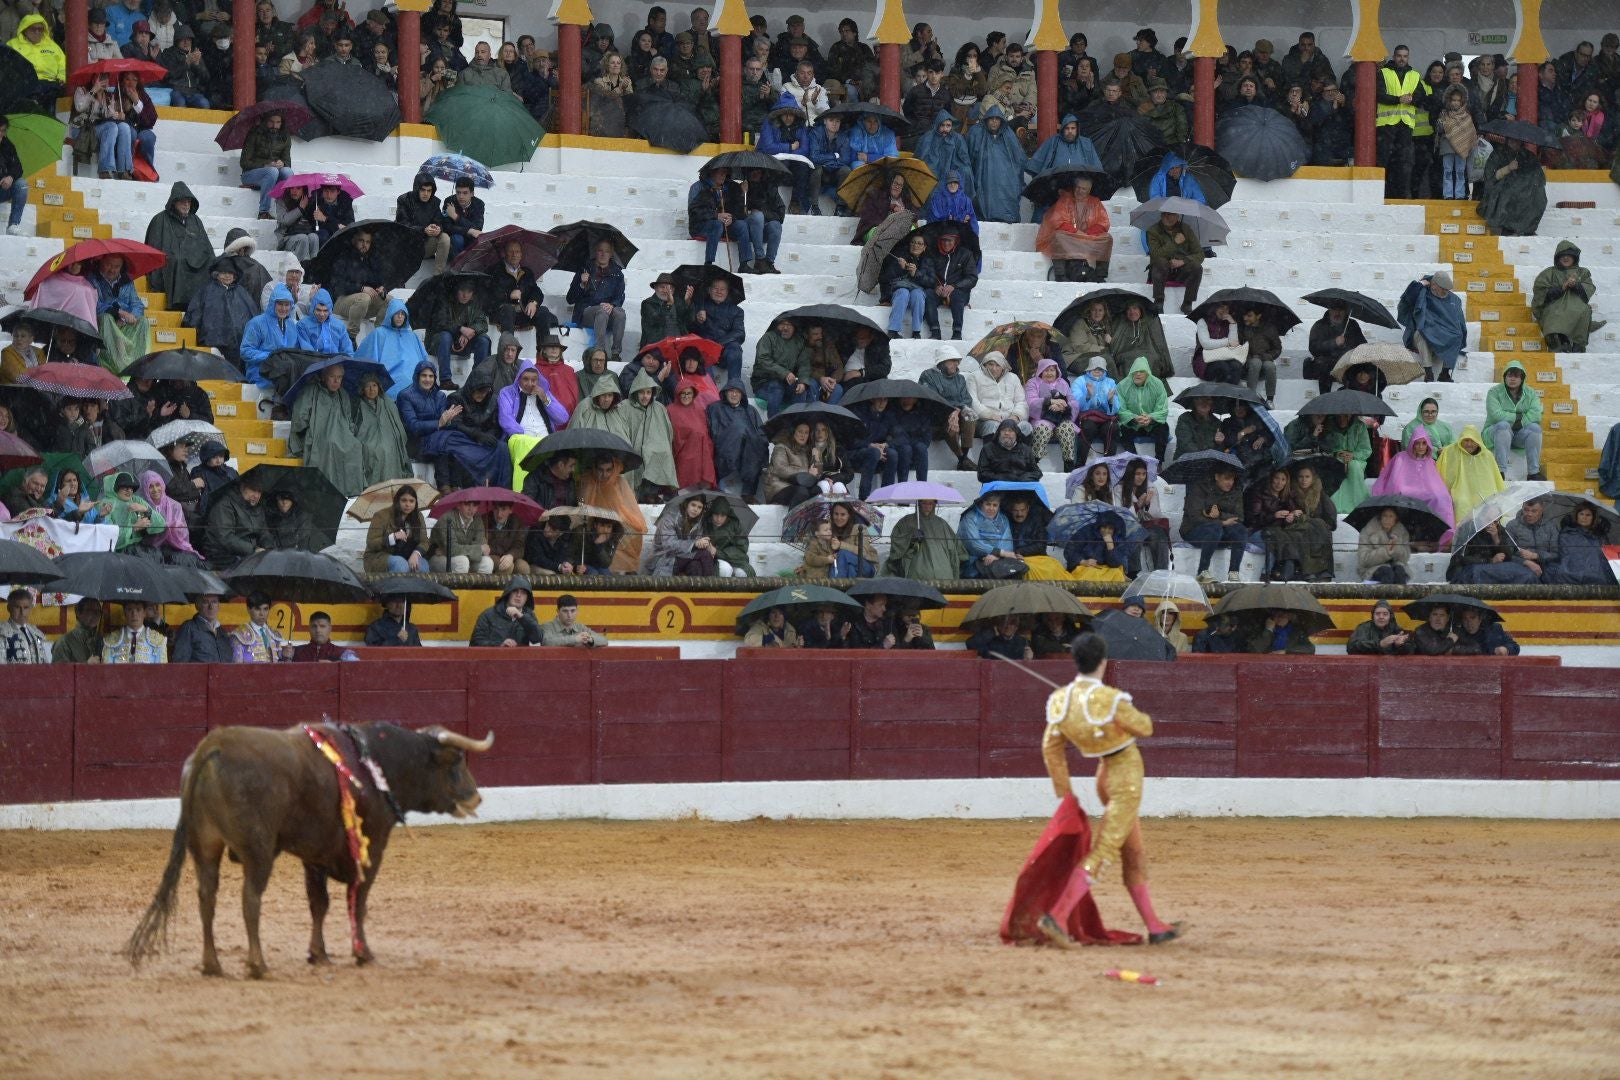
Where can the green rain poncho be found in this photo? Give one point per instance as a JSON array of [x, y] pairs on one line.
[[591, 415], [1565, 310], [1439, 433], [381, 434], [1354, 441], [323, 435], [185, 241], [1150, 398], [1501, 408], [126, 510], [651, 434], [1513, 204], [924, 548]]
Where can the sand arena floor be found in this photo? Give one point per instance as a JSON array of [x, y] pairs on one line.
[[837, 949]]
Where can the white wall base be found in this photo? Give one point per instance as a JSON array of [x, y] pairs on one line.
[[976, 799]]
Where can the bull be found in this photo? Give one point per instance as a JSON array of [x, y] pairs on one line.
[[256, 792]]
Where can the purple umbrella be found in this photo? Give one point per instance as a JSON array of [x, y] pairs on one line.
[[312, 182], [912, 491], [1117, 464]]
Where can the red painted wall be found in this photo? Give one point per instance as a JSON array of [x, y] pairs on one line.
[[632, 716]]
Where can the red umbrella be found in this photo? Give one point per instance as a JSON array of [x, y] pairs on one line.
[[76, 380], [525, 509], [15, 453], [670, 348], [540, 250], [139, 259], [144, 69], [234, 132], [312, 182]]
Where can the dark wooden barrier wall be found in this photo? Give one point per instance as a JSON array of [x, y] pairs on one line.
[[624, 715]]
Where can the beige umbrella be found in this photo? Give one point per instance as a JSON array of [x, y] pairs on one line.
[[1025, 598], [1398, 363], [380, 496]]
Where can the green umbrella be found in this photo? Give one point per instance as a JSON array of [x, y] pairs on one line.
[[486, 124], [38, 140]]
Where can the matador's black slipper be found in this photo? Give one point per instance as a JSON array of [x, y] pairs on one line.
[[1166, 935]]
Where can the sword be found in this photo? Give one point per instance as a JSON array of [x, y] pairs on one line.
[[1028, 671]]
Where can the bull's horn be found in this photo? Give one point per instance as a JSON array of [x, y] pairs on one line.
[[461, 742]]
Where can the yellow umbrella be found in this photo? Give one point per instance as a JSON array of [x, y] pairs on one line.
[[920, 180]]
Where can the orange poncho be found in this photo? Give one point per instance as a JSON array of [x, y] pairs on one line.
[[615, 494], [1073, 231]]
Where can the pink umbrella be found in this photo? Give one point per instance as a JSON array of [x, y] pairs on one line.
[[525, 509], [312, 181], [915, 491]]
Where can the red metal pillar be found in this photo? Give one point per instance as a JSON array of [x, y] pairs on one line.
[[1529, 92], [409, 82], [1046, 94], [1366, 113], [731, 89], [78, 34], [889, 75], [568, 76], [1204, 101], [244, 80]]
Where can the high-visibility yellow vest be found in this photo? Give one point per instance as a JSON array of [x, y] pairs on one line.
[[1423, 122], [1396, 85]]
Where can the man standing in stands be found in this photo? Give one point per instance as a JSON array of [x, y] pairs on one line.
[[1400, 94]]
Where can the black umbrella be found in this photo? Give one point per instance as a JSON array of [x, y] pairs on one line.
[[1330, 471], [1519, 131], [317, 496], [1422, 523], [1130, 638], [797, 599], [183, 365], [579, 240], [441, 287], [283, 367], [540, 250], [1346, 403], [581, 442], [671, 125], [1220, 391], [290, 91], [1361, 306], [1120, 140], [21, 564], [1419, 609], [892, 389], [396, 250], [1560, 504], [15, 73], [355, 368], [1254, 601], [740, 510], [846, 427], [1045, 188], [234, 132], [1261, 143], [918, 594], [1211, 172], [741, 161], [352, 101], [113, 578], [701, 276], [834, 317], [1116, 299], [1199, 465], [49, 317], [853, 111], [199, 582], [411, 588], [298, 577], [967, 239], [1277, 313]]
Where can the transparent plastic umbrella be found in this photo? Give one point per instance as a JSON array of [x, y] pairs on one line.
[[1154, 586]]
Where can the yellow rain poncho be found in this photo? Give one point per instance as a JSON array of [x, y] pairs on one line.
[[1469, 471]]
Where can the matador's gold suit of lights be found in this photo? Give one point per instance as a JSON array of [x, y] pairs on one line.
[[1102, 723]]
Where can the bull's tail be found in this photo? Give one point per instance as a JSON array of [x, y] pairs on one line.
[[152, 932]]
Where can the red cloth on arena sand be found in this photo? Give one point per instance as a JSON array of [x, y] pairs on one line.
[[1065, 842]]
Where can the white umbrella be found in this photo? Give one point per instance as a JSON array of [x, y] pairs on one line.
[[127, 455], [1203, 220], [1153, 586], [191, 432]]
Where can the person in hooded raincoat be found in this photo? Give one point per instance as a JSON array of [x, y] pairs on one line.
[[220, 311], [472, 439], [1515, 190], [690, 441], [273, 330], [179, 233], [1513, 419], [1414, 473], [1429, 423], [1143, 406], [320, 331], [422, 406], [1066, 147], [1469, 471], [602, 409], [395, 346], [173, 544], [1562, 300], [381, 433], [950, 201], [1075, 235], [740, 447], [121, 504], [323, 420], [1581, 558], [33, 42], [1347, 440], [945, 151], [1138, 333], [986, 536], [603, 484], [998, 167], [924, 547], [653, 437], [126, 333], [1434, 327]]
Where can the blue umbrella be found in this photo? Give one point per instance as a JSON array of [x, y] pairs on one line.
[[1006, 486], [455, 167], [1075, 518], [353, 369]]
